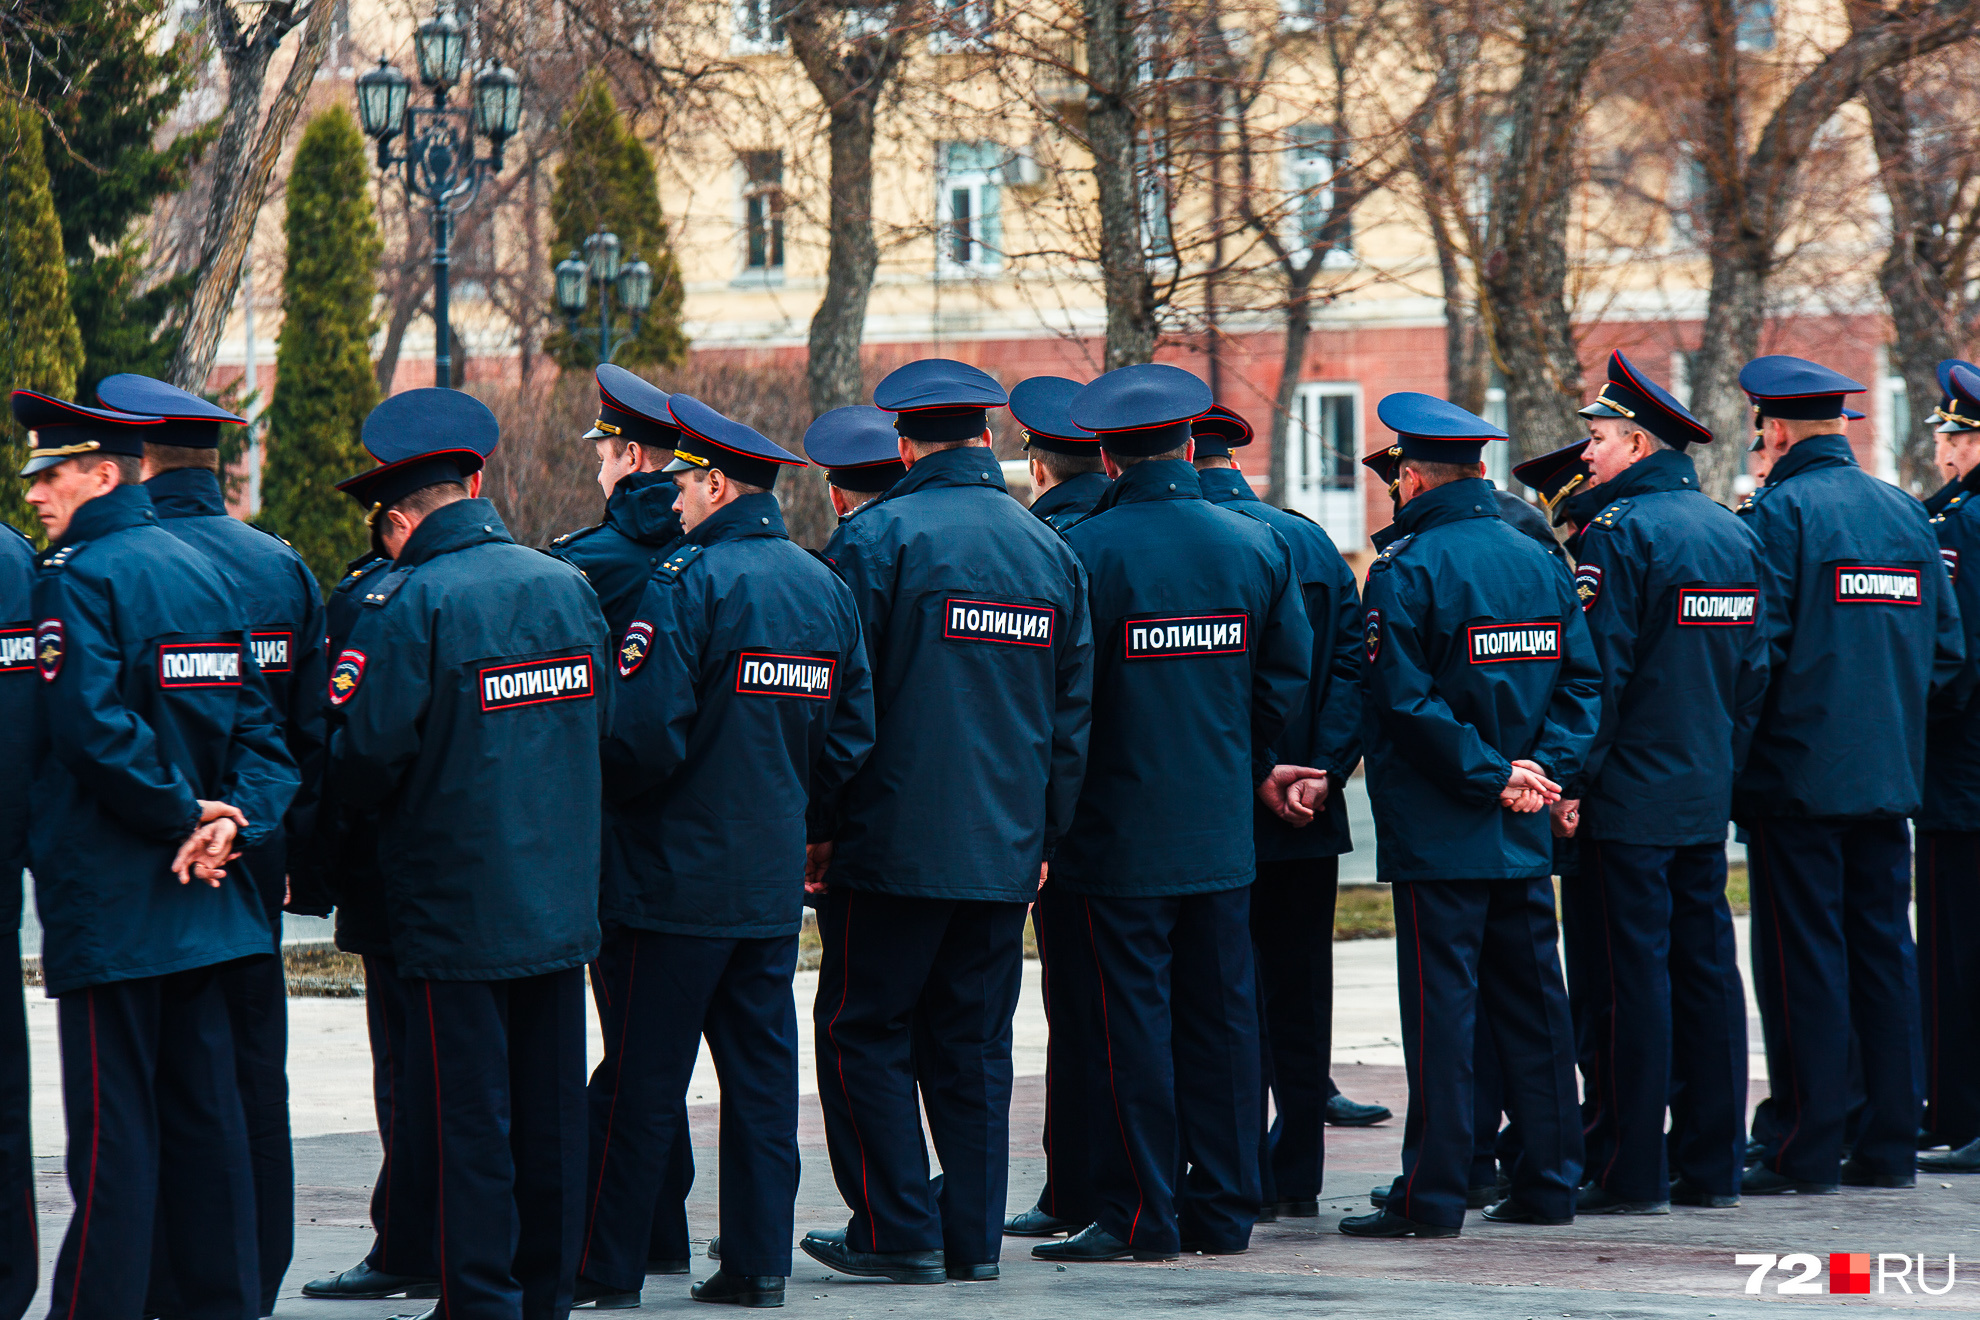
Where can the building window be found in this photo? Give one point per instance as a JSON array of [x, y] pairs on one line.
[[1753, 25], [759, 25], [960, 25], [1323, 457], [1498, 456], [1150, 162], [763, 210], [971, 204], [1317, 151]]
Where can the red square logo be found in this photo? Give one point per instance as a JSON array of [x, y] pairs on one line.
[[1849, 1271]]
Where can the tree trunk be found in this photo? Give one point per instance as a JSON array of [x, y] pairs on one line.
[[409, 303], [1292, 363], [243, 160], [1735, 310], [839, 324], [1112, 131]]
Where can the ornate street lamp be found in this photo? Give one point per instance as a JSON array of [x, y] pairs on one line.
[[630, 281], [439, 160]]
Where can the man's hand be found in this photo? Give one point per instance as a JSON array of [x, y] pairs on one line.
[[1044, 873], [1528, 790], [207, 850], [1275, 791], [212, 811], [817, 860], [1567, 817], [1312, 793]]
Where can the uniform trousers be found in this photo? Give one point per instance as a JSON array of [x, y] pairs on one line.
[[1584, 961], [1292, 937], [258, 1004], [1168, 991], [402, 1200], [669, 1239], [1464, 947], [1949, 983], [918, 994], [1056, 919], [668, 992], [1669, 972], [156, 1143], [1832, 951], [500, 1066], [20, 1246]]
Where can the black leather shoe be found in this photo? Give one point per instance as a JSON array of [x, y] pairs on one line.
[[1514, 1211], [1756, 1150], [361, 1282], [972, 1273], [715, 1247], [1686, 1192], [1484, 1194], [1856, 1175], [899, 1266], [1095, 1243], [1763, 1181], [747, 1290], [1592, 1200], [599, 1297], [430, 1313], [1964, 1160], [1382, 1224], [1036, 1223], [1288, 1210], [1343, 1112], [667, 1267]]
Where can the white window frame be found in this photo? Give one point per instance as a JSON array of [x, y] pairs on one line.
[[746, 190], [753, 29], [1498, 455], [1891, 416], [982, 184], [1158, 239], [1312, 161], [960, 25], [1339, 509]]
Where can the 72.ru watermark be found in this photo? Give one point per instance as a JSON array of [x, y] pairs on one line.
[[1850, 1272]]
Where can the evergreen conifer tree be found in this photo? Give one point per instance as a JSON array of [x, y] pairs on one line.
[[606, 179], [40, 348], [323, 381]]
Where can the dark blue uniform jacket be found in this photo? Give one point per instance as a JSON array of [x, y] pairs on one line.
[[17, 685], [1670, 584], [1202, 653], [742, 696], [1476, 656], [150, 700], [1862, 629], [977, 635], [618, 555], [1325, 729], [472, 699], [1952, 740], [1070, 500]]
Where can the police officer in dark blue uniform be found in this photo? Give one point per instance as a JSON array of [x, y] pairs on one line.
[[275, 586], [1862, 629], [635, 437], [156, 751], [1483, 693], [1948, 853], [1521, 516], [742, 698], [1067, 479], [1203, 653], [470, 718], [1669, 584], [976, 630], [860, 451], [20, 1257], [1292, 900]]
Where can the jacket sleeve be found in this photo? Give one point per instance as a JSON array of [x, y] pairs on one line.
[[653, 709], [1574, 711], [869, 572], [382, 719], [261, 776], [92, 733], [306, 731], [1072, 713], [1284, 665], [1750, 683], [1334, 610], [1402, 698], [1952, 670], [1612, 619], [1780, 577], [849, 732]]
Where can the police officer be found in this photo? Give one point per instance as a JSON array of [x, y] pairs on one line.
[[1949, 819], [1066, 475], [1669, 584], [1483, 693], [20, 1257], [1386, 464], [1203, 654], [1862, 628], [270, 580], [860, 451], [471, 718], [976, 631], [1292, 900], [742, 698], [635, 438], [156, 752]]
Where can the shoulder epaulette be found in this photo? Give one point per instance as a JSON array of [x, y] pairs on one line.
[[1611, 515], [1394, 548], [277, 535], [1297, 514], [1951, 504], [674, 564], [384, 588], [17, 532], [570, 536], [60, 558]]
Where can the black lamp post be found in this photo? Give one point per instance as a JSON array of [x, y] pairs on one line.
[[600, 265], [439, 158]]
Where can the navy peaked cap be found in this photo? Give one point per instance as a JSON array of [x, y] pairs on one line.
[[58, 429], [1385, 464], [858, 448], [422, 438], [1628, 393], [938, 383], [1142, 409], [632, 409], [1557, 475], [1959, 411], [190, 421], [710, 440], [1795, 389], [1435, 430], [1219, 431], [1043, 407]]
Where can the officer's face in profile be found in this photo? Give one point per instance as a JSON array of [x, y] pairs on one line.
[[701, 494], [1613, 446], [614, 462], [57, 492], [1955, 453]]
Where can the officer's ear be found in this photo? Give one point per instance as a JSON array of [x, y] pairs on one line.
[[474, 485]]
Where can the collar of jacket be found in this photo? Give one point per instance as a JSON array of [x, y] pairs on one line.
[[1936, 502], [1068, 492], [1225, 485], [126, 506], [187, 493], [748, 515], [1817, 451], [642, 507], [1665, 469], [1472, 497], [453, 527], [1156, 479], [966, 465]]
